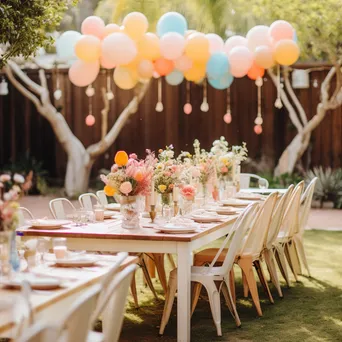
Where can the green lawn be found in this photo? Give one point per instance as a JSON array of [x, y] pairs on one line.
[[310, 311]]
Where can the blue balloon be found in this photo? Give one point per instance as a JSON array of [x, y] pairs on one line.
[[174, 78], [65, 44], [222, 82], [217, 65], [295, 37], [171, 22]]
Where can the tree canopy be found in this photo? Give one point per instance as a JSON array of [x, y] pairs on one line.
[[24, 24]]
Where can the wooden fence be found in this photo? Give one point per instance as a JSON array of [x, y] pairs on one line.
[[23, 129]]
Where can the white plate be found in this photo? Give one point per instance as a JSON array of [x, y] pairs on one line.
[[109, 214], [113, 206], [36, 283], [76, 262], [249, 196], [235, 202], [48, 224], [206, 219], [183, 230]]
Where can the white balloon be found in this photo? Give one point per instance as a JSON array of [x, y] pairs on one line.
[[234, 41], [258, 35], [215, 42], [65, 44]]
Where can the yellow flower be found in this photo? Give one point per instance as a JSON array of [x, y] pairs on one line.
[[109, 191], [162, 188], [121, 158]]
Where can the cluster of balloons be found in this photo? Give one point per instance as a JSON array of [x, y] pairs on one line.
[[174, 52]]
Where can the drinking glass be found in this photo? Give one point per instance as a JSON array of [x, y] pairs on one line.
[[59, 248], [41, 249], [262, 183]]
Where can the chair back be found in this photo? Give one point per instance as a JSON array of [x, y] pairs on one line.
[[86, 200], [57, 208], [245, 179], [112, 305], [305, 207], [277, 217], [256, 237], [102, 197], [234, 239], [289, 224], [40, 333], [76, 323], [21, 215]]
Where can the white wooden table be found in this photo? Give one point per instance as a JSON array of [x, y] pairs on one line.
[[110, 237], [51, 305], [263, 191]]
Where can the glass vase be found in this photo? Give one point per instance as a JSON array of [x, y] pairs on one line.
[[166, 207], [5, 253], [187, 206], [130, 210]]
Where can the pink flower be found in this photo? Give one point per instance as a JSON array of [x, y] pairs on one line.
[[174, 168], [114, 168], [5, 178], [167, 174], [188, 192], [224, 169], [126, 188], [133, 156]]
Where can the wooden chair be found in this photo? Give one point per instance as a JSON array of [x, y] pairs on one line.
[[41, 333], [245, 179], [57, 208], [86, 200], [102, 197], [209, 276]]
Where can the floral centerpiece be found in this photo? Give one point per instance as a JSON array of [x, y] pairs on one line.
[[128, 179]]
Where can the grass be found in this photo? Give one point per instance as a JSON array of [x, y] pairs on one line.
[[310, 311]]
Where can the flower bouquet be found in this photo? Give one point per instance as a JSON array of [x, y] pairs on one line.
[[129, 179], [188, 193]]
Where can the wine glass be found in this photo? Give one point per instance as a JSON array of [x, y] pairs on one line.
[[262, 183]]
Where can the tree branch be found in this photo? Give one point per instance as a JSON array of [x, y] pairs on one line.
[[97, 149], [326, 86], [292, 113], [293, 96]]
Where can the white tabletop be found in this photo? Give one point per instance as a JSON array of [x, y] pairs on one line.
[[263, 191]]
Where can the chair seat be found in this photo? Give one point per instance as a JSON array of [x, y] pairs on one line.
[[94, 336], [207, 256]]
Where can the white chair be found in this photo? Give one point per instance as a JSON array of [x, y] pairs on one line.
[[41, 333], [57, 208], [283, 247], [245, 179], [102, 197], [86, 200], [303, 221], [207, 276], [21, 215], [111, 306]]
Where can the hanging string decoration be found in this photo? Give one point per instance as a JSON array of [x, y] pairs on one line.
[[187, 107], [227, 118], [278, 104], [109, 94], [58, 92], [159, 105], [205, 105], [90, 118], [258, 120]]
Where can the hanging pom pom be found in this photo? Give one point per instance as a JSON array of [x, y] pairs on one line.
[[204, 106], [258, 120], [187, 108], [57, 94], [258, 129], [90, 91], [159, 107], [90, 120], [227, 118]]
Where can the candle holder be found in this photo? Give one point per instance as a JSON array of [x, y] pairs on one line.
[[175, 208], [153, 213]]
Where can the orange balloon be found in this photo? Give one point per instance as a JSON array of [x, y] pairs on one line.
[[197, 47], [149, 46], [88, 48], [135, 24], [196, 73], [286, 52], [255, 72], [163, 66], [121, 158]]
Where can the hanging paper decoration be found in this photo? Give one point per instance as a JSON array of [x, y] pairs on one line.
[[258, 120], [227, 118], [159, 105], [90, 118], [205, 105], [58, 93], [187, 107], [109, 94], [90, 91], [278, 104]]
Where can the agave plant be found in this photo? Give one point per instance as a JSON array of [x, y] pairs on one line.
[[329, 184]]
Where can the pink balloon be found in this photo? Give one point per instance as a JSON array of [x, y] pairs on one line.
[[258, 35], [90, 120], [241, 59], [258, 129], [94, 26], [279, 30], [263, 57], [172, 45], [227, 118], [110, 28], [234, 41], [187, 108], [106, 64], [145, 69], [82, 73], [215, 42], [118, 48], [183, 63]]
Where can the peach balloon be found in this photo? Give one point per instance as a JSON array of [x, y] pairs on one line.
[[263, 57], [94, 26], [216, 43], [118, 48], [255, 72], [187, 108], [82, 73], [149, 46], [258, 35], [163, 66], [279, 30], [110, 28], [195, 73], [106, 64], [90, 120], [240, 59], [197, 47], [172, 45], [183, 63], [286, 52], [136, 25], [258, 129], [145, 69], [227, 118], [234, 41], [88, 48], [125, 78]]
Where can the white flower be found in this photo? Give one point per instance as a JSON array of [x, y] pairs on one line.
[[7, 196], [5, 178], [169, 154], [18, 178]]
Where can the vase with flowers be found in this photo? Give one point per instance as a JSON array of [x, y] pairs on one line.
[[187, 192], [130, 180]]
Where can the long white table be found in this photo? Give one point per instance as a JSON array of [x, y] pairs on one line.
[[263, 191], [111, 237]]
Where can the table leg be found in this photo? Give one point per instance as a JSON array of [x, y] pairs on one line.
[[184, 292]]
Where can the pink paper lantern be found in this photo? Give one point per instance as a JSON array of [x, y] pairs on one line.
[[94, 26], [227, 118], [82, 73], [258, 129], [90, 120], [187, 108]]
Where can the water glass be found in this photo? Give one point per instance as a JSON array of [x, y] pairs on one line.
[[59, 248], [42, 249], [262, 183]]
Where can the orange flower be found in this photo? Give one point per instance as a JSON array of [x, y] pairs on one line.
[[138, 176], [109, 191], [121, 158]]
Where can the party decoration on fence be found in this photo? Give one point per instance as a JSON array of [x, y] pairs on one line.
[[258, 120], [227, 118], [90, 118], [174, 52], [90, 91], [187, 107], [58, 92], [109, 92]]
